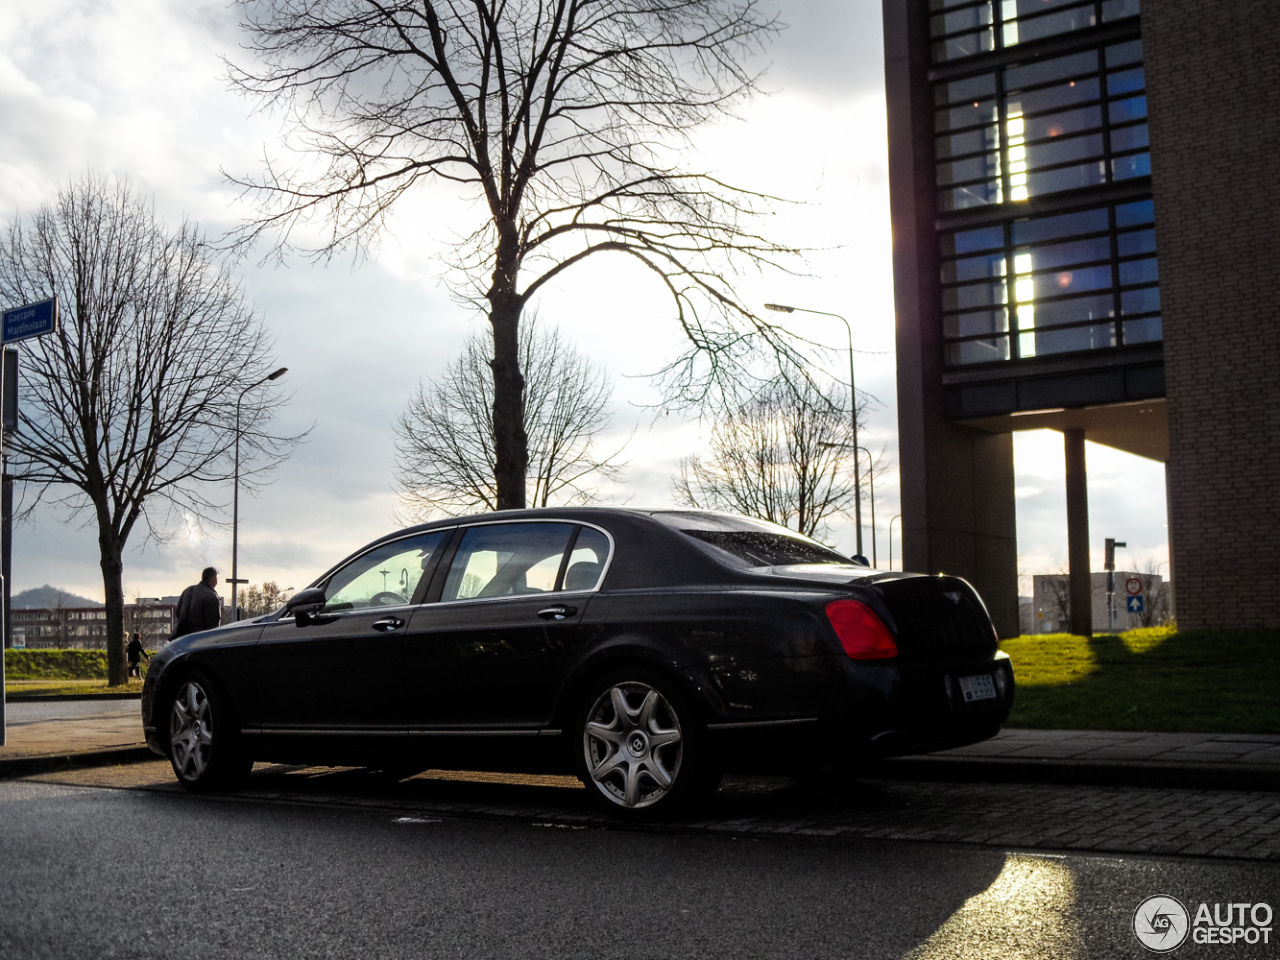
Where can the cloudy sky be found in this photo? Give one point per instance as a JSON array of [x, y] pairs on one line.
[[136, 89]]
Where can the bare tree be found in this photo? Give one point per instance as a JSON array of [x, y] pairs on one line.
[[784, 456], [61, 616], [264, 599], [1056, 589], [564, 119], [446, 440], [1154, 610], [126, 411]]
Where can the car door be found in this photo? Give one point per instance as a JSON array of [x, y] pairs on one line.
[[488, 654], [334, 678]]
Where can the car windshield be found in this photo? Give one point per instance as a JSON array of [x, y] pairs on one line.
[[755, 543]]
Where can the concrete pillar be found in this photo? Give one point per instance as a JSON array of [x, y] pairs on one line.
[[1168, 522], [1078, 533]]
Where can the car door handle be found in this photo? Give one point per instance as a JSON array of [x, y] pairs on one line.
[[388, 624], [558, 612]]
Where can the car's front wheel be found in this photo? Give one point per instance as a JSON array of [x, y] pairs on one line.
[[204, 746], [641, 749]]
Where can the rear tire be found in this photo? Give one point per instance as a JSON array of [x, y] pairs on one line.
[[640, 747], [204, 739]]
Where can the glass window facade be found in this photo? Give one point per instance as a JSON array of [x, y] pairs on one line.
[[1065, 123], [965, 28], [1082, 280], [1022, 128]]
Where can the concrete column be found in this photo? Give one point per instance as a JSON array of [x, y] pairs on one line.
[[1078, 534], [1168, 510]]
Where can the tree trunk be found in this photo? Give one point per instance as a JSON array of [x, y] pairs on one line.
[[112, 563], [510, 441]]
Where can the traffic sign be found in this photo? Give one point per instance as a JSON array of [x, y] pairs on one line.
[[1135, 604], [1133, 586], [32, 320]]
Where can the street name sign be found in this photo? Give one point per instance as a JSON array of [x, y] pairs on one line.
[[1135, 604], [32, 320]]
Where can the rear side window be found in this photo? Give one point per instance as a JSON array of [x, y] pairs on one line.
[[751, 543], [507, 560], [586, 563]]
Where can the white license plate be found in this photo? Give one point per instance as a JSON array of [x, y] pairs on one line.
[[981, 687]]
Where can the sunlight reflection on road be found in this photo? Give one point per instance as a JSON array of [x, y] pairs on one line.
[[1029, 911]]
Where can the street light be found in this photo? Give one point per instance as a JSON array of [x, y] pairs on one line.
[[235, 496], [853, 410], [871, 477]]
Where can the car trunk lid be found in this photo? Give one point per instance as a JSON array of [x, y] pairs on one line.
[[937, 616]]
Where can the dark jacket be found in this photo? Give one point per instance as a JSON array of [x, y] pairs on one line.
[[198, 609], [135, 652]]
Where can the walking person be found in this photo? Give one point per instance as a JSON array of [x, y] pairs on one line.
[[135, 654], [199, 607]]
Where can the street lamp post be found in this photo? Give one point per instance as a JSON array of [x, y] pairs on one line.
[[853, 410], [871, 478], [235, 496]]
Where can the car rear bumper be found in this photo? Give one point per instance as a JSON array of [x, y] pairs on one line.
[[867, 711]]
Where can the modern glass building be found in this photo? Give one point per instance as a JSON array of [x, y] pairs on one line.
[[1045, 156]]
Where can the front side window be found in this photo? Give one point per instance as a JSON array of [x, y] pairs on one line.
[[507, 560], [386, 576]]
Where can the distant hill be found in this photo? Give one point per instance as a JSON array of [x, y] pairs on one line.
[[46, 598]]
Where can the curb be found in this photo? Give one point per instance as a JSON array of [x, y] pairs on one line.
[[60, 697], [1100, 773], [47, 763]]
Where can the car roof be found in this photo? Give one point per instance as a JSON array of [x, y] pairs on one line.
[[652, 553]]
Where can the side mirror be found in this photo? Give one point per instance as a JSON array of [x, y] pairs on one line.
[[305, 602]]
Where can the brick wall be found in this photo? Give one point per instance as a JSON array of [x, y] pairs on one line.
[[1213, 76]]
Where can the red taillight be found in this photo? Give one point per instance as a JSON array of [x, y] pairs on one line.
[[862, 634]]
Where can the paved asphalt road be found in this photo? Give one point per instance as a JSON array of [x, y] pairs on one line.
[[92, 872]]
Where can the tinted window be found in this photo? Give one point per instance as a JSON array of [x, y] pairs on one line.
[[971, 241], [385, 576], [1049, 228], [1015, 78], [767, 549], [757, 543], [586, 563], [507, 560]]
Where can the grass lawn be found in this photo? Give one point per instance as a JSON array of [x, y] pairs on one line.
[[1220, 681], [58, 688], [60, 672]]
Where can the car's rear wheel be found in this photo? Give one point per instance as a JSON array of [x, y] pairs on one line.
[[204, 740], [641, 748]]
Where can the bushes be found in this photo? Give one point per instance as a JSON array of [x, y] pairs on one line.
[[55, 664]]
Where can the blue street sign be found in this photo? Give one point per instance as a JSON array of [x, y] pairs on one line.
[[33, 320], [1135, 604]]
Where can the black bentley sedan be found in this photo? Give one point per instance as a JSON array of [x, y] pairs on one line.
[[646, 650]]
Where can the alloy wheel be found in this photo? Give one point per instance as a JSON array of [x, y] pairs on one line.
[[190, 732], [633, 745]]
